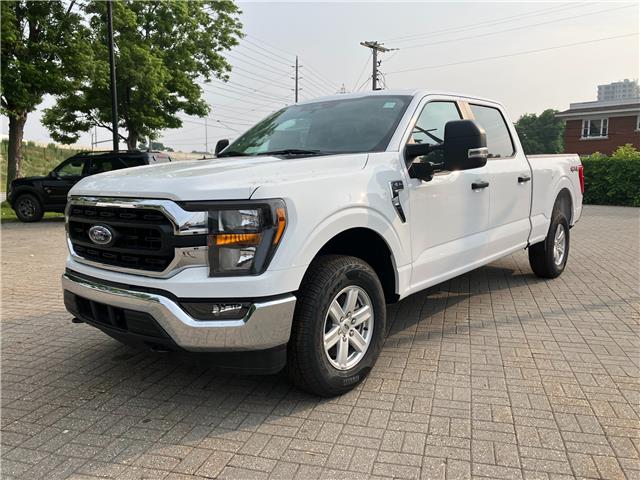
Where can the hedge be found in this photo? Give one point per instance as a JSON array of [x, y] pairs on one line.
[[613, 179]]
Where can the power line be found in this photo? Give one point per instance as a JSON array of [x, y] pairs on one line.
[[262, 65], [268, 51], [515, 28], [526, 52], [364, 67], [475, 25]]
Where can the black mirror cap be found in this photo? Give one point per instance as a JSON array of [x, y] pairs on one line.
[[462, 139], [221, 145]]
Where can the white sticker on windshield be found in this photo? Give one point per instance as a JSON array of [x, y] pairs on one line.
[[389, 105]]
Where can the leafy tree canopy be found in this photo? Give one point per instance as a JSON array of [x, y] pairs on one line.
[[162, 50], [541, 133], [44, 45]]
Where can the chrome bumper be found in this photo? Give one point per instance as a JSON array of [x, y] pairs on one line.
[[266, 325]]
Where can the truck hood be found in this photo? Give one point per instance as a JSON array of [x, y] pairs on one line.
[[231, 178]]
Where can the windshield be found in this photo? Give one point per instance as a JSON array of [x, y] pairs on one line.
[[363, 124]]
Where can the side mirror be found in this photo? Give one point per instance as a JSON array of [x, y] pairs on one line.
[[465, 145], [221, 145], [423, 171], [53, 174]]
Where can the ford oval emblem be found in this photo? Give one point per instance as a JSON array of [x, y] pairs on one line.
[[100, 234]]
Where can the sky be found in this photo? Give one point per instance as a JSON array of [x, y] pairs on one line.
[[530, 56]]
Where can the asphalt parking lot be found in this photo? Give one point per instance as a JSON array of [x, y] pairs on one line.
[[496, 374]]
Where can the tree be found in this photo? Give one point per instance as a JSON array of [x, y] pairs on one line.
[[44, 45], [541, 134], [163, 49]]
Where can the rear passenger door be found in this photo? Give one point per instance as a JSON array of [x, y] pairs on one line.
[[510, 182]]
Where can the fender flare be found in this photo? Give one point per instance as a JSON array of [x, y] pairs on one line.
[[21, 190]]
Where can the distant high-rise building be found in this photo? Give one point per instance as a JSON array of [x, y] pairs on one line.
[[619, 90]]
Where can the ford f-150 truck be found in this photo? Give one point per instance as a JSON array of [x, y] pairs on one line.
[[285, 249]]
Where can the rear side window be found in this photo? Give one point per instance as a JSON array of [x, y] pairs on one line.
[[100, 165], [499, 140]]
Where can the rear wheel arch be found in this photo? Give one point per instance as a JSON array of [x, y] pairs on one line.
[[564, 203]]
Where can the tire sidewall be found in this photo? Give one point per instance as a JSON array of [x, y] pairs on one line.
[[342, 380], [37, 215]]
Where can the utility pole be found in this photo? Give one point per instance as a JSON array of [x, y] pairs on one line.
[[112, 69], [375, 48], [297, 79]]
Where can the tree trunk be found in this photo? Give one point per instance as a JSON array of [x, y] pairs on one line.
[[132, 141], [14, 150]]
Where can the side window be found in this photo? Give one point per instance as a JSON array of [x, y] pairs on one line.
[[498, 138], [100, 165], [71, 168], [429, 128], [430, 125]]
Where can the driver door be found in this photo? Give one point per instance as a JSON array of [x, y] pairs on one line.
[[66, 175], [449, 214]]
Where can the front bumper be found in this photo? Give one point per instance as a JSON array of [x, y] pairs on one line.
[[128, 313]]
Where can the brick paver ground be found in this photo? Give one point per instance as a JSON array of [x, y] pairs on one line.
[[495, 374]]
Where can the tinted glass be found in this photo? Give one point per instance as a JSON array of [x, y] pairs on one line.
[[100, 165], [498, 139], [338, 126], [429, 128], [71, 168]]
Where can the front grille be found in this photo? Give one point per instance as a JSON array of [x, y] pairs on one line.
[[143, 239]]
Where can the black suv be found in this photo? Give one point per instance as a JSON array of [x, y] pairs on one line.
[[30, 197]]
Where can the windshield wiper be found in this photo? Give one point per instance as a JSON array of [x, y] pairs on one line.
[[233, 153], [294, 151]]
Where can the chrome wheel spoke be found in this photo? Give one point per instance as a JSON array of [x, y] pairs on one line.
[[361, 315], [331, 337], [358, 341], [352, 299], [343, 354], [336, 312]]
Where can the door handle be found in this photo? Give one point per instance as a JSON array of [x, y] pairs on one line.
[[479, 185], [524, 178]]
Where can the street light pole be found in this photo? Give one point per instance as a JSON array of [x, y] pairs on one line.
[[112, 69]]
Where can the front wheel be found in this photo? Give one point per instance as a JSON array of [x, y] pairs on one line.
[[338, 328], [28, 208], [549, 257]]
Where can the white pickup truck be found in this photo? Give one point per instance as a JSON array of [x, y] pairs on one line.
[[285, 249]]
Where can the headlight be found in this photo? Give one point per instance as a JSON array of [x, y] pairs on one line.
[[243, 237]]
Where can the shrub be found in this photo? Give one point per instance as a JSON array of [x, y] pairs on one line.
[[613, 179]]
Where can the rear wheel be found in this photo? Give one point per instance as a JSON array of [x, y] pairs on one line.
[[549, 257], [28, 208], [338, 327]]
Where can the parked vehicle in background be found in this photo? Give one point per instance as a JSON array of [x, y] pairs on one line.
[[286, 248], [31, 197]]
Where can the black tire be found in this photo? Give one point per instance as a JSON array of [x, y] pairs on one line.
[[308, 364], [28, 208], [541, 255]]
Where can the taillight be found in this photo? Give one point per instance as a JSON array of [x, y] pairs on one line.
[[581, 177]]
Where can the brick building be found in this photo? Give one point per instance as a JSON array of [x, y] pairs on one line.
[[601, 126]]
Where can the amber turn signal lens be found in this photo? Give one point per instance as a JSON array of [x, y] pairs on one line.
[[282, 222], [238, 239]]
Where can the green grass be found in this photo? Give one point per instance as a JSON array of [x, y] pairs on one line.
[[8, 215], [36, 159]]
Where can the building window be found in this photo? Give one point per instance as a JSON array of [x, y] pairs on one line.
[[595, 128], [638, 123]]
